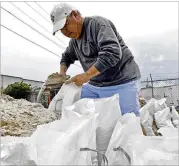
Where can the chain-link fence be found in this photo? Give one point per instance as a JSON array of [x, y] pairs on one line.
[[160, 87]]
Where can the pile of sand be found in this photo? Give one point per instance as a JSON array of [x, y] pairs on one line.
[[20, 117]]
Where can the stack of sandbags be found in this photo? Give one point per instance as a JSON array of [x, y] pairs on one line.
[[128, 146], [156, 115]]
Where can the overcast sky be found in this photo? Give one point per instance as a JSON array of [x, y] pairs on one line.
[[24, 59]]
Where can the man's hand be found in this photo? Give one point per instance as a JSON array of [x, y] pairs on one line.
[[79, 79], [63, 70], [62, 74]]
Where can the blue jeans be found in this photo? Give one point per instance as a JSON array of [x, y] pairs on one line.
[[128, 95]]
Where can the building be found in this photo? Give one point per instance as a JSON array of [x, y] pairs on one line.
[[5, 80]]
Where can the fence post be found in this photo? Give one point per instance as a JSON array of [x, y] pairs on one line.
[[147, 83], [152, 86]]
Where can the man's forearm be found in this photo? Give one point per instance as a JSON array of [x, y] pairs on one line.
[[63, 69], [92, 72]]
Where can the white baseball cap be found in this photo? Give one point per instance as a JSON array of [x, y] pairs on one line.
[[59, 15]]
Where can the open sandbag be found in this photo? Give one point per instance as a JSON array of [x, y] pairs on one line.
[[67, 95], [109, 112], [59, 142]]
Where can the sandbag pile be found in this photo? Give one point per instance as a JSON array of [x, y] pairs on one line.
[[128, 146], [156, 115]]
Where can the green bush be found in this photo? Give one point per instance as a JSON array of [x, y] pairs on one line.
[[18, 90]]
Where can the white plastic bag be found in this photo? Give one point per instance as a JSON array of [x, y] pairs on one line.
[[163, 118], [128, 125], [146, 116], [67, 95], [59, 142], [160, 104], [154, 150], [18, 151], [147, 112], [109, 114], [108, 111], [150, 106]]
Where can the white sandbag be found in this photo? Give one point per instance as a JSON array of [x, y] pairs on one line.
[[109, 113], [146, 116], [128, 125], [59, 142], [147, 112], [150, 107], [175, 117], [18, 151], [160, 104], [67, 95], [154, 150], [163, 118], [168, 131]]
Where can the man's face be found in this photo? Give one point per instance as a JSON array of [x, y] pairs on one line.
[[73, 26]]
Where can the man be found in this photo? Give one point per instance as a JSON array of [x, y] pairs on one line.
[[109, 66]]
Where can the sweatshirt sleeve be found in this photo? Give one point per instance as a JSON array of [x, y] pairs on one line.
[[109, 53], [69, 56]]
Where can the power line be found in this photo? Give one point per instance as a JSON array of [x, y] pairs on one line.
[[38, 12], [42, 8], [33, 28], [29, 40], [33, 42], [35, 21]]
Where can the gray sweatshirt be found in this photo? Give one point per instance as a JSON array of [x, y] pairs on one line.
[[101, 46]]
